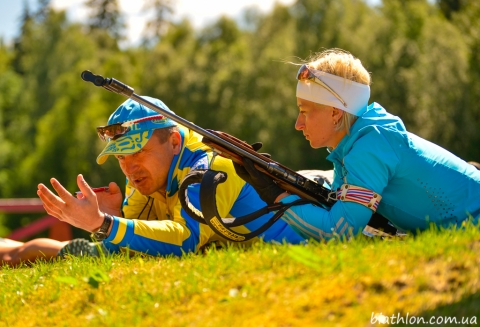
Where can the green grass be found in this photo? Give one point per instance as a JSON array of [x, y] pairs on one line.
[[334, 284]]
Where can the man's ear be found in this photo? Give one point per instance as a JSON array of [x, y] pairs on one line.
[[176, 142]]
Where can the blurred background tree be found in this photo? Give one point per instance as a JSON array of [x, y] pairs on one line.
[[105, 16], [234, 76], [158, 24]]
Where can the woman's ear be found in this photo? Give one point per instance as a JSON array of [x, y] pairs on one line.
[[337, 114]]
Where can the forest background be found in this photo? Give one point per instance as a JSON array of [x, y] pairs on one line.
[[232, 76]]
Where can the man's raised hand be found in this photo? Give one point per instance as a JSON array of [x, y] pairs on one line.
[[83, 213]]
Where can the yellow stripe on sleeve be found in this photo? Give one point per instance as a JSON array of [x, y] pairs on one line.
[[165, 231], [122, 229]]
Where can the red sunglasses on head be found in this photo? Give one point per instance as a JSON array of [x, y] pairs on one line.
[[114, 131], [304, 73]]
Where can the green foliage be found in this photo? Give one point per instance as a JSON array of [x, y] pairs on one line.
[[10, 86], [424, 58], [425, 71], [156, 27], [106, 16]]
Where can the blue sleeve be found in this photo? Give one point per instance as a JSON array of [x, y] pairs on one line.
[[112, 248], [162, 237], [344, 219]]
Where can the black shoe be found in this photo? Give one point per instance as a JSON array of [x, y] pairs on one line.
[[80, 247]]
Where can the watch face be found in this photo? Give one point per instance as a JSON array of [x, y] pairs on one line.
[[99, 236]]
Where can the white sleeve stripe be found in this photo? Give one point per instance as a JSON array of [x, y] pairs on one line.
[[314, 229], [344, 229], [293, 223], [339, 223]]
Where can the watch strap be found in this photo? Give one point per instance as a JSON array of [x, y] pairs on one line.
[[101, 233]]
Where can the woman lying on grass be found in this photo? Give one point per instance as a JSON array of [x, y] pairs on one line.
[[378, 165]]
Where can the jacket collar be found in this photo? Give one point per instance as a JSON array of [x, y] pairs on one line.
[[193, 155]]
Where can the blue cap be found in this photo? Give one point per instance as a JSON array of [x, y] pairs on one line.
[[139, 133]]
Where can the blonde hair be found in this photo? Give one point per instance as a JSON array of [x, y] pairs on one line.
[[341, 63]]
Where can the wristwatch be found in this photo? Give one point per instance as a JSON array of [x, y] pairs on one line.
[[101, 233]]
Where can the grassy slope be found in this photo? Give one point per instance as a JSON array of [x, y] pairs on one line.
[[337, 284]]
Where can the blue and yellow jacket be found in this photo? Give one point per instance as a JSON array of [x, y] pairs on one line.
[[420, 182], [157, 224]]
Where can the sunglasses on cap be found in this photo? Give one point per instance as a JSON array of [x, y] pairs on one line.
[[304, 73], [114, 131]]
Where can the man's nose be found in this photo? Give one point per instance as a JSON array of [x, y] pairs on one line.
[[129, 165]]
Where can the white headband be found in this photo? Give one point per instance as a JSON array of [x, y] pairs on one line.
[[354, 94]]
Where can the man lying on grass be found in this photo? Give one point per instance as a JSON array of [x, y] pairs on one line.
[[155, 154]]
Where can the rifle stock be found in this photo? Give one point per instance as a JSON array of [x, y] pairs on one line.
[[228, 146]]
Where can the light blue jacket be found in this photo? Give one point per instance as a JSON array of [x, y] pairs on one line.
[[420, 182]]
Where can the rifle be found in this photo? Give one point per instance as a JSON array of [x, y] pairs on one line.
[[234, 149], [229, 146]]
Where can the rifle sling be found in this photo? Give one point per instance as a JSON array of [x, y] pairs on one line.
[[193, 177], [209, 180]]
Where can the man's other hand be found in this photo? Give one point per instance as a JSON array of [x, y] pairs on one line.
[[111, 201]]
